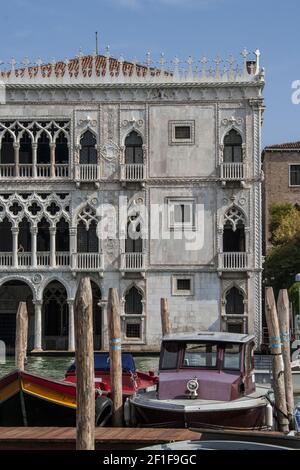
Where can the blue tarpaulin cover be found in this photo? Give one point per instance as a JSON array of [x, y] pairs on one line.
[[102, 362]]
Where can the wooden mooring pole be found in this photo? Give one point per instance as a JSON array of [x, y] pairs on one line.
[[284, 326], [165, 317], [115, 355], [21, 336], [277, 362], [84, 357]]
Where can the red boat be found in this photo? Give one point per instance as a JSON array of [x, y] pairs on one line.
[[132, 380], [30, 400]]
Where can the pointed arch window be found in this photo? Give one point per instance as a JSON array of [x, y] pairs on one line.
[[43, 148], [87, 239], [88, 151], [133, 302], [232, 147], [25, 152], [5, 235], [133, 148], [24, 236], [133, 310], [62, 236], [234, 302], [7, 148], [134, 241], [234, 231], [61, 149]]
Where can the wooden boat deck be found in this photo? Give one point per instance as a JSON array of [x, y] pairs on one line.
[[49, 438]]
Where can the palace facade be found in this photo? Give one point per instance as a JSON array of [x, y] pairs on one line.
[[79, 136]]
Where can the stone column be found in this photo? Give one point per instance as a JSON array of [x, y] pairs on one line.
[[73, 241], [52, 231], [15, 236], [34, 159], [38, 325], [34, 231], [52, 159], [71, 336], [17, 149]]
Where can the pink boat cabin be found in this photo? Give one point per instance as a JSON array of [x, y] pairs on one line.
[[206, 365]]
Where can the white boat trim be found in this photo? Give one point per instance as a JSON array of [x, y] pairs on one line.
[[149, 400]]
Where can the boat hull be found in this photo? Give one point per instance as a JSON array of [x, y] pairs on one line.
[[30, 400], [248, 413]]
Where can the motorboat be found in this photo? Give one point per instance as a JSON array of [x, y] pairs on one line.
[[205, 379]]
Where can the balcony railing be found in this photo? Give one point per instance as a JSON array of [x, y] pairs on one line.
[[62, 258], [132, 172], [234, 261], [88, 172], [27, 171], [88, 261], [43, 258], [6, 260], [24, 259], [232, 171], [132, 261]]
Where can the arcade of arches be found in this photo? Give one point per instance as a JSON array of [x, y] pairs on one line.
[[51, 322]]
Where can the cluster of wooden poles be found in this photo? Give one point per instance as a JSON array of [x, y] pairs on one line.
[[84, 357], [279, 342]]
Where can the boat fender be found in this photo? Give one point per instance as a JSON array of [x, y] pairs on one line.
[[103, 410], [127, 412], [269, 415]]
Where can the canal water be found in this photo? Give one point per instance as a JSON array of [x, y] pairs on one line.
[[56, 366]]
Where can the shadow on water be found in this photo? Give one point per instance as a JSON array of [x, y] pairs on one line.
[[55, 367]]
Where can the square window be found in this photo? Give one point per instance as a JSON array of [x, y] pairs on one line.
[[133, 330], [181, 214], [182, 284], [294, 175], [181, 132]]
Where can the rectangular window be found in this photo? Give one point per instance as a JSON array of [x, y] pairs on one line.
[[181, 214], [133, 330], [182, 284], [232, 356], [294, 175], [200, 355], [181, 132], [169, 357]]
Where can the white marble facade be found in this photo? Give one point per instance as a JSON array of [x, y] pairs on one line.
[[180, 125]]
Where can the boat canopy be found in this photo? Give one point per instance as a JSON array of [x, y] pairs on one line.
[[101, 361], [210, 336]]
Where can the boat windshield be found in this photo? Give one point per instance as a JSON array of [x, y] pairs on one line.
[[232, 356], [200, 355]]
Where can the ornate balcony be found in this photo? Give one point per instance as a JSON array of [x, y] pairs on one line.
[[132, 172], [232, 171], [88, 262], [233, 261], [132, 262], [39, 171], [87, 172], [26, 260]]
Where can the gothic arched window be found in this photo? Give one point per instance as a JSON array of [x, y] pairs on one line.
[[133, 148], [62, 236], [61, 149], [232, 147], [7, 148], [234, 231], [133, 302], [25, 152], [5, 235], [133, 242], [43, 148], [88, 151], [234, 302], [87, 239]]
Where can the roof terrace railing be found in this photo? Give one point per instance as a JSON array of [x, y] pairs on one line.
[[103, 69]]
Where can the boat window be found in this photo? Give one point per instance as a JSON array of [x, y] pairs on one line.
[[232, 356], [170, 356], [200, 355]]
